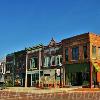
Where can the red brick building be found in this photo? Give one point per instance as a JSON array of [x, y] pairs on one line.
[[33, 64], [52, 63], [81, 58]]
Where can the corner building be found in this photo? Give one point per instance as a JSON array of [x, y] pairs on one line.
[[81, 59]]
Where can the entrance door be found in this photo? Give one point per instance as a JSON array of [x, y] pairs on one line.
[[79, 78], [76, 79], [29, 80]]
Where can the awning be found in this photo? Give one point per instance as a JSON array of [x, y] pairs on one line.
[[96, 66], [73, 68]]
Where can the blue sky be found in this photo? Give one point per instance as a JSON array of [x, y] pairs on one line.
[[24, 23]]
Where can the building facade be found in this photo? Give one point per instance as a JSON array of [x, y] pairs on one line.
[[34, 64], [52, 63], [80, 53], [73, 61], [2, 70], [16, 68], [19, 68]]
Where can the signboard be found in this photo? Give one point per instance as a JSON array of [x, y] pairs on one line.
[[46, 71], [58, 72]]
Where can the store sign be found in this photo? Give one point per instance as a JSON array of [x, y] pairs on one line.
[[58, 72], [51, 50], [46, 71]]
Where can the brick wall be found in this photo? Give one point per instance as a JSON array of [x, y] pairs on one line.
[[80, 41]]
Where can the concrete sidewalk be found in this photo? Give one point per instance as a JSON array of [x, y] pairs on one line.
[[38, 90]]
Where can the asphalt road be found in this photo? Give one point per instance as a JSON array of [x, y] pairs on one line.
[[8, 95]]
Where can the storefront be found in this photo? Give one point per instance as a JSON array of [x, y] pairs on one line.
[[33, 77], [52, 76], [77, 74]]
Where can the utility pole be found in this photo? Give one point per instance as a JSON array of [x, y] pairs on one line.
[[26, 70], [39, 64]]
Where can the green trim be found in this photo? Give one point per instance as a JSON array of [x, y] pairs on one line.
[[71, 68]]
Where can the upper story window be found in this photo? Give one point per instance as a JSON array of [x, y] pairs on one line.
[[53, 61], [75, 53], [66, 54], [93, 51], [99, 52], [46, 61], [59, 60], [33, 62], [85, 51]]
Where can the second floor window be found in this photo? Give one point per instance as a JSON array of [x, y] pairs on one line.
[[58, 60], [53, 62], [93, 51], [99, 52], [46, 61], [66, 54], [33, 62], [85, 51], [75, 53]]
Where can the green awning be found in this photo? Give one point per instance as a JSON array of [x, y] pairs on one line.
[[96, 66], [72, 68]]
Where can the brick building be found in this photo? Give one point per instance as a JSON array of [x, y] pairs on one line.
[[52, 63], [19, 68], [75, 61], [15, 68], [81, 58], [33, 55], [9, 75]]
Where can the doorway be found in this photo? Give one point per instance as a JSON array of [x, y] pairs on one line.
[[29, 80]]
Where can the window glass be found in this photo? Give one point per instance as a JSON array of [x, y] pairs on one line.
[[33, 62], [66, 54], [85, 51], [93, 51], [75, 53], [99, 52], [47, 62], [53, 60], [57, 60]]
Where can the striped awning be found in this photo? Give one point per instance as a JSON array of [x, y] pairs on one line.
[[97, 66]]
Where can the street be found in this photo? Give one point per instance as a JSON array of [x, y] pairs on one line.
[[72, 95]]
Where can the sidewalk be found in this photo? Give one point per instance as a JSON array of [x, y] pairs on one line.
[[38, 90]]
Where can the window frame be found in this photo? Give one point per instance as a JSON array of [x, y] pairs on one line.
[[75, 53], [94, 54]]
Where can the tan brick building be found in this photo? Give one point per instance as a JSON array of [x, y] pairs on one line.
[[81, 58]]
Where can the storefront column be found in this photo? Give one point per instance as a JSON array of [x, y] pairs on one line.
[[31, 79], [91, 75], [64, 76]]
